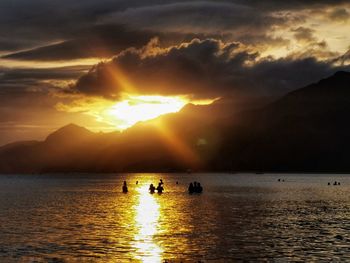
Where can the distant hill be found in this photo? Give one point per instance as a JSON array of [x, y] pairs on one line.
[[305, 131]]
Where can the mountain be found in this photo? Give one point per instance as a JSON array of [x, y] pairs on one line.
[[307, 130], [69, 134], [304, 131]]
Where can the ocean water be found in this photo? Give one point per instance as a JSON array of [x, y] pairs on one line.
[[249, 217]]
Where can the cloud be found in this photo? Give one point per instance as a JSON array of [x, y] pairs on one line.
[[99, 41], [303, 34], [58, 73], [343, 59], [277, 5], [37, 23], [47, 30], [24, 90], [201, 69], [27, 102], [102, 41], [339, 14], [196, 16], [181, 69], [28, 83]]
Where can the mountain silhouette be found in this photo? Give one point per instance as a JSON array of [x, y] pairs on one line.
[[67, 133], [304, 131]]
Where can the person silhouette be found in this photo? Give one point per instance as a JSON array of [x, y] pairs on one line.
[[151, 189], [177, 182], [199, 188], [329, 183], [195, 186], [191, 188], [125, 187], [335, 183], [161, 182], [137, 182], [160, 188]]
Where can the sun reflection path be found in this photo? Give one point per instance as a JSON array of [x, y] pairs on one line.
[[146, 220]]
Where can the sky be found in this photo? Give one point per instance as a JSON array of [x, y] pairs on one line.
[[100, 63]]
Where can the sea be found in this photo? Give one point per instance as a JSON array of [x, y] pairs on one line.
[[237, 217]]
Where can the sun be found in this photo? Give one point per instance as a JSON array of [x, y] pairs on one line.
[[131, 109], [126, 113]]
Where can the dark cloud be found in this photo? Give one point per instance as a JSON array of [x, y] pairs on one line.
[[277, 5], [339, 14], [58, 73], [57, 30], [316, 49], [304, 34], [26, 83], [182, 69], [262, 41], [343, 59], [45, 22], [207, 68], [102, 42], [9, 45], [99, 41], [197, 16]]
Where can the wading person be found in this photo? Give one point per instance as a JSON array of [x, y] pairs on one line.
[[125, 187]]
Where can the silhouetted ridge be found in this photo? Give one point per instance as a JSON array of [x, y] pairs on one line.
[[339, 82], [306, 130], [329, 94], [340, 74], [13, 145], [69, 133], [188, 107]]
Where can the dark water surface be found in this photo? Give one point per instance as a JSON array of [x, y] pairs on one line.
[[86, 218]]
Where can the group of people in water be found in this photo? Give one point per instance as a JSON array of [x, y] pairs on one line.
[[194, 187], [335, 183], [151, 189], [159, 188]]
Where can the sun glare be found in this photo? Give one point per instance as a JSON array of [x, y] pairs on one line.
[[142, 108], [131, 109], [147, 220]]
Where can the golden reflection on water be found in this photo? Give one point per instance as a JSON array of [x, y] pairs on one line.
[[146, 220]]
